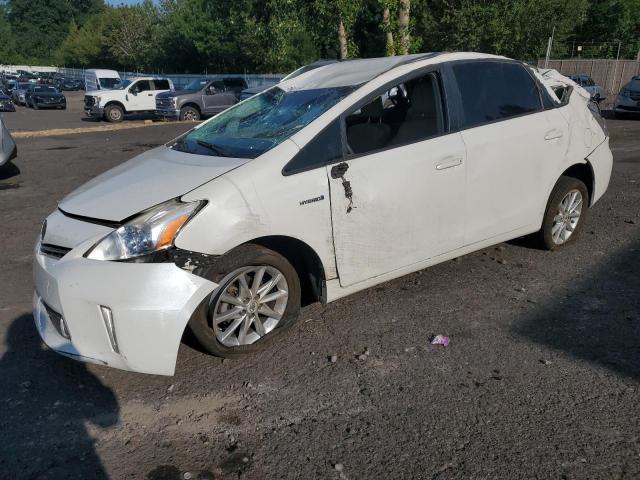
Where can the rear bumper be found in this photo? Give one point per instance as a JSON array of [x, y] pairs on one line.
[[129, 316], [601, 161]]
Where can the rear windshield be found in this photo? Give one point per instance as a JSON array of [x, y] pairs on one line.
[[260, 123]]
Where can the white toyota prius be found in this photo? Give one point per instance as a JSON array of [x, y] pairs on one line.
[[344, 177]]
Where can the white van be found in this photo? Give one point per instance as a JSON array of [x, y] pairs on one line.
[[96, 79]]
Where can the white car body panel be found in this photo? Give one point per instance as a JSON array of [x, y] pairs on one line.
[[430, 214], [412, 187], [121, 191], [7, 144], [92, 79]]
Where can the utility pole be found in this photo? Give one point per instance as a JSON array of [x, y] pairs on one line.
[[549, 46]]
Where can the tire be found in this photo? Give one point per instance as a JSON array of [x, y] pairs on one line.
[[246, 259], [189, 114], [620, 116], [113, 113], [560, 227]]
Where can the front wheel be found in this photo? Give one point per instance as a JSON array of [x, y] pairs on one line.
[[566, 213], [257, 301], [113, 113], [189, 114]]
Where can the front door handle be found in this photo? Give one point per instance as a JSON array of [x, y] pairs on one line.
[[553, 135], [150, 94], [449, 162]]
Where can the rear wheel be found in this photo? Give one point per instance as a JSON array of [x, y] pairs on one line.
[[189, 114], [566, 213], [257, 301], [113, 113]]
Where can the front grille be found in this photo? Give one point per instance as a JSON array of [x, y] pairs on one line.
[[54, 251], [164, 102], [89, 101]]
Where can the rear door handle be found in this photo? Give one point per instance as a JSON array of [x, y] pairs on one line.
[[553, 135], [449, 162]]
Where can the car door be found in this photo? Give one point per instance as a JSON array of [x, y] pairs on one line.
[[138, 95], [514, 146], [398, 197], [215, 97]]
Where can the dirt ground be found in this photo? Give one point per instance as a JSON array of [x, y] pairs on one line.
[[541, 379]]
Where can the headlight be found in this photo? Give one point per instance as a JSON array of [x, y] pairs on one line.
[[625, 93], [97, 100], [151, 231]]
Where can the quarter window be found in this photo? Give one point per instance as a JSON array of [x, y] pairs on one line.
[[492, 91], [324, 149], [408, 112]]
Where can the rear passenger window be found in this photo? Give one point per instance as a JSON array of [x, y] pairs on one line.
[[161, 84], [492, 91], [324, 149], [406, 113]]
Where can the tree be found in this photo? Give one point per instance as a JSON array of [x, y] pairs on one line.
[[40, 26], [8, 51]]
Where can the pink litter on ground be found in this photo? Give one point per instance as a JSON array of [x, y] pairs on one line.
[[440, 340]]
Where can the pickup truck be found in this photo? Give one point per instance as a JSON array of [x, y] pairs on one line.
[[202, 97], [136, 95]]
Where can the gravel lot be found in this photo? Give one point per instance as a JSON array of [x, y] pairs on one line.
[[541, 379]]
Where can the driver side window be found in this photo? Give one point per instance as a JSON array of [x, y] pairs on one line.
[[406, 113], [140, 86], [215, 87]]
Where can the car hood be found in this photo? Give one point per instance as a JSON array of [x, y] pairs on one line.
[[144, 181], [176, 93]]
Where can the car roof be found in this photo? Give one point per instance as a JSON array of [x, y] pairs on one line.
[[351, 73]]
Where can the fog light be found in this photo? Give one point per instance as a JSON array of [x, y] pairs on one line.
[[107, 317]]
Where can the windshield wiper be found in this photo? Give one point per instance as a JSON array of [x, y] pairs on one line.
[[214, 148]]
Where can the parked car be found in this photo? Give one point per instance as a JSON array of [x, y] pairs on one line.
[[18, 94], [69, 84], [585, 81], [6, 104], [628, 100], [45, 96], [136, 95], [340, 179], [98, 79], [11, 85], [8, 148], [200, 98], [250, 92]]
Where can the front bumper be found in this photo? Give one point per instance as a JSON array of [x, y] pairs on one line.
[[7, 107], [129, 316], [42, 104], [626, 104], [94, 111], [168, 112]]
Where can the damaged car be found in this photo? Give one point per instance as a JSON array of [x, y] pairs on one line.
[[344, 177]]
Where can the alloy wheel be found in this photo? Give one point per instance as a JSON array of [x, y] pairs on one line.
[[567, 217], [252, 303]]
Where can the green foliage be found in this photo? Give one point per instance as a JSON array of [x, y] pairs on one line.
[[196, 36]]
